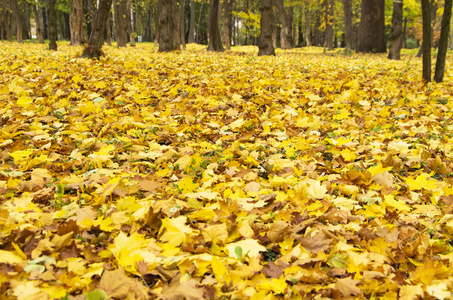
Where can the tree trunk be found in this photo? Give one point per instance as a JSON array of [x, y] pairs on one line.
[[287, 25], [329, 23], [26, 23], [120, 9], [191, 38], [90, 17], [426, 44], [215, 41], [108, 30], [372, 27], [348, 28], [397, 31], [38, 20], [274, 27], [76, 22], [130, 23], [265, 43], [16, 13], [4, 18], [52, 26], [307, 25], [94, 45], [197, 37], [228, 5], [168, 25], [443, 42], [182, 22]]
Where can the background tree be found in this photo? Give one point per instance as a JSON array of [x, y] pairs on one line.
[[372, 27], [443, 42], [426, 44], [265, 43], [396, 33], [215, 40], [348, 26], [16, 13], [76, 22], [96, 40], [5, 15], [328, 43], [286, 14], [38, 20], [191, 37], [227, 23], [182, 22], [52, 26], [168, 29], [120, 10]]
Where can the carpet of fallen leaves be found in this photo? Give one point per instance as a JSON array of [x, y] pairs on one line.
[[223, 176]]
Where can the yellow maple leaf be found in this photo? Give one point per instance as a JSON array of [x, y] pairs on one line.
[[422, 181], [174, 230]]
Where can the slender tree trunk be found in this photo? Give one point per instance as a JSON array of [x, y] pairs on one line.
[[76, 22], [26, 23], [215, 41], [397, 31], [130, 23], [191, 38], [443, 42], [287, 25], [228, 4], [168, 25], [348, 28], [433, 15], [426, 44], [403, 41], [372, 27], [38, 20], [108, 30], [94, 45], [197, 37], [182, 22], [52, 26], [329, 23], [156, 25], [16, 13], [120, 9], [5, 16], [274, 26], [307, 24], [265, 43]]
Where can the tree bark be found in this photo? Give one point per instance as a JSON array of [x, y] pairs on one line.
[[168, 29], [348, 27], [94, 45], [120, 9], [182, 22], [329, 23], [397, 31], [130, 23], [191, 38], [372, 27], [38, 20], [76, 22], [5, 17], [443, 42], [426, 44], [265, 44], [215, 41], [307, 24], [287, 25], [227, 23], [52, 26], [16, 13], [108, 30]]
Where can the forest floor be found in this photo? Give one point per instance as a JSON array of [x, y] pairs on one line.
[[223, 175]]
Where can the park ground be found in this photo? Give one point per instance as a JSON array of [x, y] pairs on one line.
[[223, 175]]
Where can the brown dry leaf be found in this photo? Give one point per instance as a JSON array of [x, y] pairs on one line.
[[186, 290], [348, 287], [117, 285]]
